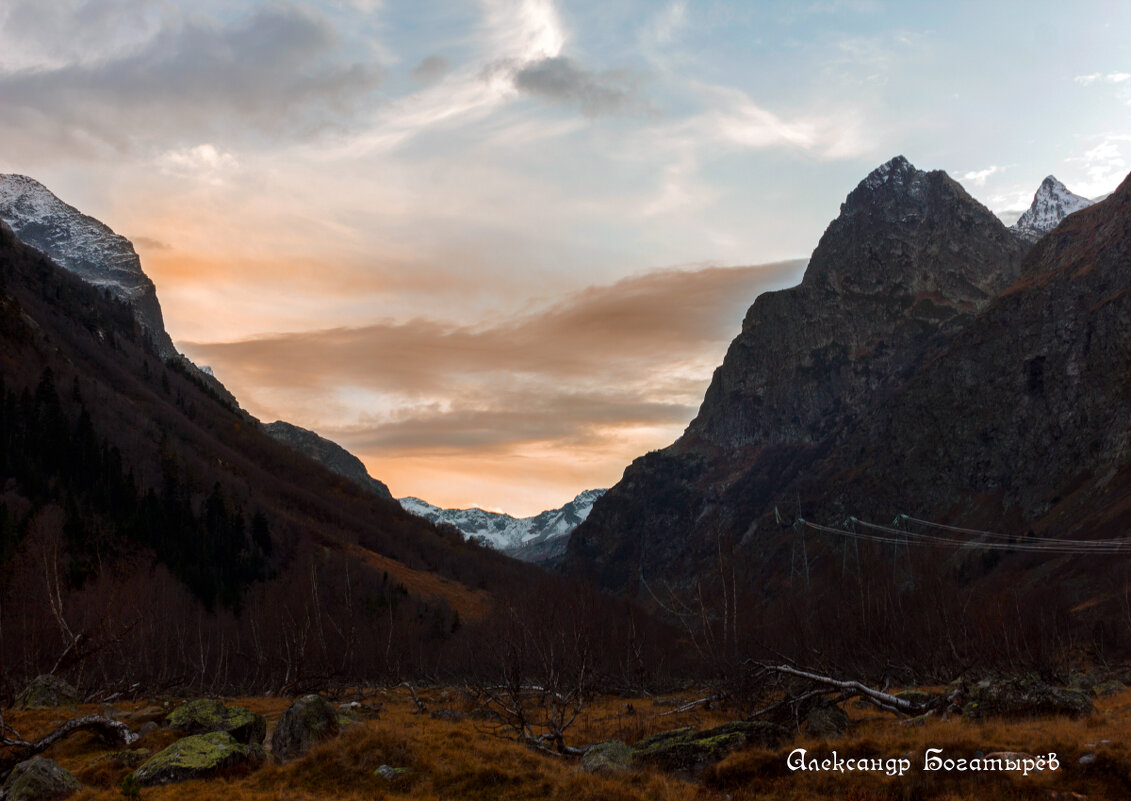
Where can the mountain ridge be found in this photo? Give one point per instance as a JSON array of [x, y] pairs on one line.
[[538, 538]]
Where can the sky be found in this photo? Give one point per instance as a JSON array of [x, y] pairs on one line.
[[496, 248]]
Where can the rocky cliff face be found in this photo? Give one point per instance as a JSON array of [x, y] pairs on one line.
[[921, 367], [84, 246], [911, 255], [328, 453]]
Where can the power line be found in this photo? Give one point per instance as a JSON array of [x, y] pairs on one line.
[[998, 542]]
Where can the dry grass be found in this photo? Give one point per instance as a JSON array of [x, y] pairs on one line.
[[465, 759]]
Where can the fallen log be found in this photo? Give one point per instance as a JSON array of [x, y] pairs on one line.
[[112, 731]]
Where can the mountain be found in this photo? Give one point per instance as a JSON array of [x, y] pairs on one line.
[[928, 368], [1051, 204], [86, 247], [155, 513], [329, 453], [540, 538], [911, 257]]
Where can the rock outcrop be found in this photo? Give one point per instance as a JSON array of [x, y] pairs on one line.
[[200, 756], [39, 779], [205, 715], [47, 691], [307, 721]]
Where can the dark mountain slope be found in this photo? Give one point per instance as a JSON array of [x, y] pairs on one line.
[[910, 260], [328, 453], [1006, 413], [120, 470]]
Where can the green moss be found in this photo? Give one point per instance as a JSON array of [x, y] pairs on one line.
[[46, 691], [205, 715], [611, 756], [309, 720], [39, 779], [196, 757], [688, 750]]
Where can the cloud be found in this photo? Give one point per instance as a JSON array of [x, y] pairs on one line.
[[640, 335], [1096, 77], [669, 22], [562, 80], [431, 69], [1103, 163], [148, 243], [274, 73], [204, 162], [978, 177], [577, 386]]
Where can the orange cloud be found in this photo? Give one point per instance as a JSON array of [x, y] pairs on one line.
[[594, 379]]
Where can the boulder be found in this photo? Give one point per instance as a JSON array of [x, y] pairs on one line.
[[687, 751], [611, 756], [1109, 688], [389, 773], [826, 721], [204, 715], [200, 756], [39, 779], [47, 691], [1022, 697], [309, 720]]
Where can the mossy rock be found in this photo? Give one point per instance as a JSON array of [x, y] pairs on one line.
[[307, 721], [1023, 697], [204, 715], [47, 691], [685, 750], [200, 756], [39, 779], [1109, 688], [826, 721], [389, 773], [914, 696], [611, 756]]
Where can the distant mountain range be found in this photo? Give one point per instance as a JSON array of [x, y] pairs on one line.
[[540, 538]]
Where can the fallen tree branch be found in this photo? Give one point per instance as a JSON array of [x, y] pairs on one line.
[[421, 709], [112, 731], [885, 701], [693, 704]]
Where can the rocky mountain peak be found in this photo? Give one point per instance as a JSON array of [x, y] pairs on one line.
[[1051, 204], [84, 246], [903, 230], [897, 171]]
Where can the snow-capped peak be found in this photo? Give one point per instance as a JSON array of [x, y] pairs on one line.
[[894, 170], [1051, 204], [514, 535], [84, 246]]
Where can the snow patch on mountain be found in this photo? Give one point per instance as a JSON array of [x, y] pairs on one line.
[[522, 537], [1051, 204], [84, 246]]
